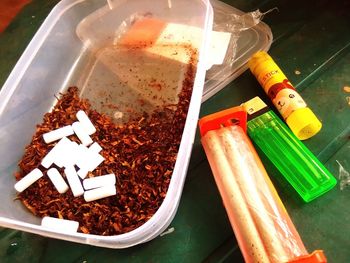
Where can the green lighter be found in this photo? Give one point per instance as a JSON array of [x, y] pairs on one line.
[[292, 158]]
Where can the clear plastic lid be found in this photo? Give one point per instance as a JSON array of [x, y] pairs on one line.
[[245, 41], [236, 36]]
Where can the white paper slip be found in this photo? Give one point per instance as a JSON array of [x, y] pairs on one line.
[[219, 43]]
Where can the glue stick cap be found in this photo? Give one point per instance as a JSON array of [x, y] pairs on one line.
[[304, 123]]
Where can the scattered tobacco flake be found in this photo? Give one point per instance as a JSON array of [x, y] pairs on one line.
[[141, 153]]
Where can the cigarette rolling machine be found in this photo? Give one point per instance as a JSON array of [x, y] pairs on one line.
[[262, 226]]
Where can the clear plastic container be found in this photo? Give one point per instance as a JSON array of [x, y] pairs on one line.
[[57, 58]]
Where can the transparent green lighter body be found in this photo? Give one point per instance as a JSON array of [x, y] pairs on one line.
[[298, 164]]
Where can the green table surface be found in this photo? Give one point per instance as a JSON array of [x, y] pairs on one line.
[[312, 37]]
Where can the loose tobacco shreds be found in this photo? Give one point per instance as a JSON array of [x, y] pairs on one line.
[[141, 153]]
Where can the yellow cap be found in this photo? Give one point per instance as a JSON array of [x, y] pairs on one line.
[[304, 123]]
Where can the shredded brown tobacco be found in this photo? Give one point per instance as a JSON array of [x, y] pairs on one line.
[[141, 153]]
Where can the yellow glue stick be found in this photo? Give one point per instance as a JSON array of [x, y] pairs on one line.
[[300, 119]]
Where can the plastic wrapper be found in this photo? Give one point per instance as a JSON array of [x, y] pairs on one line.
[[263, 228], [344, 177], [234, 24]]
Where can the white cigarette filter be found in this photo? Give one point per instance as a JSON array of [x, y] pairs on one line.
[[94, 161], [99, 181], [57, 180], [86, 122], [83, 172], [82, 133], [99, 193], [95, 147], [58, 134], [74, 181], [53, 155], [67, 154], [60, 225], [28, 180], [88, 159]]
